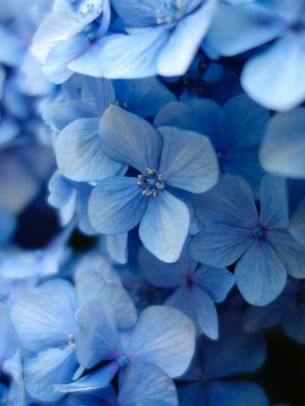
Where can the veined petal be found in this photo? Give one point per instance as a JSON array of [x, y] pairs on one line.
[[220, 245], [260, 275], [116, 205], [8, 338], [164, 337], [79, 152], [164, 227], [188, 160]]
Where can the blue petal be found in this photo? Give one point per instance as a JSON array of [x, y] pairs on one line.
[[8, 338], [11, 49], [230, 202], [50, 367], [164, 337], [70, 111], [99, 93], [187, 35], [91, 382], [273, 78], [239, 28], [220, 245], [97, 337], [274, 202], [297, 223], [217, 282], [130, 139], [236, 394], [195, 303], [164, 227], [260, 275], [55, 68], [289, 251], [116, 205], [294, 323], [45, 316], [136, 14], [146, 384], [85, 160], [188, 160], [283, 147]]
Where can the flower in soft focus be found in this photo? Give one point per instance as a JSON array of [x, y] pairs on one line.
[[164, 159], [261, 243]]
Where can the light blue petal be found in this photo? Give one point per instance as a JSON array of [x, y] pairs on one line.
[[220, 245], [135, 13], [188, 160], [164, 337], [48, 368], [11, 49], [195, 303], [72, 110], [164, 227], [130, 139], [289, 251], [146, 384], [297, 223], [273, 78], [187, 35], [116, 205], [45, 316], [130, 56], [260, 275], [80, 155], [283, 147], [239, 28], [99, 93], [55, 68], [97, 337], [91, 382], [230, 202], [217, 282], [8, 338], [239, 393], [273, 202]]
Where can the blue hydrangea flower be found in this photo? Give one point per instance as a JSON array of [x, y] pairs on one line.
[[67, 33], [215, 362], [235, 131], [233, 230], [156, 34], [44, 318], [282, 149], [288, 310], [165, 159], [197, 288], [273, 76]]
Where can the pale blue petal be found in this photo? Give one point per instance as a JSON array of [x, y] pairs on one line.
[[274, 78], [239, 28], [80, 155], [99, 93], [217, 282], [164, 227], [297, 223], [220, 245], [146, 384], [188, 160], [50, 367], [130, 139], [283, 147], [72, 110], [8, 338], [97, 337], [45, 316], [230, 202], [11, 48], [187, 35], [260, 275], [116, 205], [164, 337]]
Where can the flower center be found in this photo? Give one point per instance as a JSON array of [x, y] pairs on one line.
[[170, 11], [258, 232], [123, 361], [151, 182]]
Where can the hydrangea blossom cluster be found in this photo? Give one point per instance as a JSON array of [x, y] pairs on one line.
[[152, 199]]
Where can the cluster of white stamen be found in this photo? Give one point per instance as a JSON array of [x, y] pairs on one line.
[[170, 11], [152, 182]]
